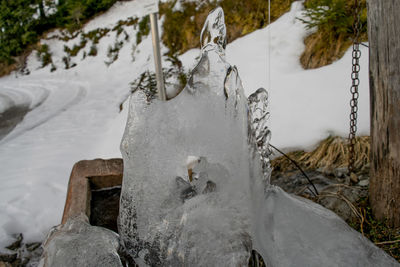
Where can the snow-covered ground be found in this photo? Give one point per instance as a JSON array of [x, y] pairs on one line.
[[75, 113]]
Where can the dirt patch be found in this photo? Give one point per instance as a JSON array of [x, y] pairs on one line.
[[10, 118]]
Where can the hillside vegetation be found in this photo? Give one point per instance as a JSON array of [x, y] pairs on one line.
[[22, 23], [182, 26], [333, 21]]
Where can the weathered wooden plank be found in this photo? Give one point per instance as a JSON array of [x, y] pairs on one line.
[[384, 43]]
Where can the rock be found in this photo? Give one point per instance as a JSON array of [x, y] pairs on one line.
[[339, 199], [8, 257], [16, 244], [364, 183], [354, 178], [77, 243], [340, 172], [296, 183]]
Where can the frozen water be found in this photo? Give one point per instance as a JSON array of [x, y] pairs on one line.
[[175, 221], [292, 231], [258, 119], [77, 243], [196, 190]]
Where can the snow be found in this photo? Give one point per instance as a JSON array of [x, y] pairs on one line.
[[76, 115]]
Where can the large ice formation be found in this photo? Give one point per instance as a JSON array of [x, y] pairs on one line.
[[77, 243], [171, 213], [196, 192]]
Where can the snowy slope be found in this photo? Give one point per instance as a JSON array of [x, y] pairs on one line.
[[76, 115]]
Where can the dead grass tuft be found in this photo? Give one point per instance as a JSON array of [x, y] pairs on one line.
[[321, 52], [330, 154]]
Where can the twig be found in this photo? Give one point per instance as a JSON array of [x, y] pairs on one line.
[[362, 221], [301, 170], [387, 242]]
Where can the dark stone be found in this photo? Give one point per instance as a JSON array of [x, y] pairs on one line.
[[339, 199], [296, 183], [104, 208]]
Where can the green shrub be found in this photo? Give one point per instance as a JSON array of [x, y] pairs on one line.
[[334, 16], [93, 50], [334, 22], [43, 54], [22, 22], [17, 28], [144, 29]]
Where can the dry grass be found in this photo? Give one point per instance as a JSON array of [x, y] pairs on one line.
[[19, 62], [334, 35], [330, 154], [320, 52], [181, 29], [6, 69]]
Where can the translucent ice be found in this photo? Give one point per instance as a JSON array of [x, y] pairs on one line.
[[293, 231], [164, 217], [258, 119], [77, 243], [195, 189]]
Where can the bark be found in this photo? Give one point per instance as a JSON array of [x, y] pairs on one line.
[[384, 35]]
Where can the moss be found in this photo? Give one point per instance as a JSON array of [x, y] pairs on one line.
[[379, 232]]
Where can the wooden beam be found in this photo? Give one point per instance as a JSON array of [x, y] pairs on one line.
[[384, 52]]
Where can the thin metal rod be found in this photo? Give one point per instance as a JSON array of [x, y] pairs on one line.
[[157, 57], [269, 44], [301, 170]]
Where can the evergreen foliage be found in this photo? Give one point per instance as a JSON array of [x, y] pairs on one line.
[[333, 20], [181, 28], [334, 16], [17, 28], [23, 21]]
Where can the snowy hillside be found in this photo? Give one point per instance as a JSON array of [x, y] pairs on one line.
[[75, 113]]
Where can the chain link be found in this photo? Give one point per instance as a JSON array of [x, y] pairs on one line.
[[355, 83]]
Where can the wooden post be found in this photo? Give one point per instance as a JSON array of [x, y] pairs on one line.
[[384, 52]]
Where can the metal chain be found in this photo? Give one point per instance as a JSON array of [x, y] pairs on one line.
[[355, 82]]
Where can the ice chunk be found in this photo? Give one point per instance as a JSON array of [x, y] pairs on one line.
[[259, 117], [293, 231], [208, 119], [217, 214], [213, 34], [77, 243]]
